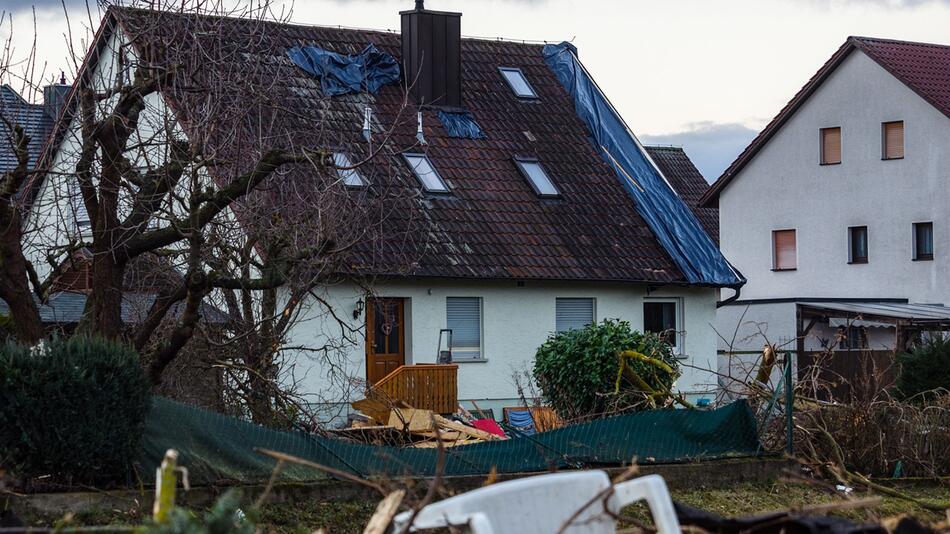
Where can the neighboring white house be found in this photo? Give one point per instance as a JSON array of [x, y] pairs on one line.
[[530, 230], [843, 203]]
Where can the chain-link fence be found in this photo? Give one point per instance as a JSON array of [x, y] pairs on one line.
[[217, 448]]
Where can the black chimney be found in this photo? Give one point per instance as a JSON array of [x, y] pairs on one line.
[[54, 96], [431, 55]]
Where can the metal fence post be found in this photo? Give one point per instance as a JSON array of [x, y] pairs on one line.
[[789, 403]]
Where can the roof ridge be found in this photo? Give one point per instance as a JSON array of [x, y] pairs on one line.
[[861, 38], [387, 31], [665, 147]]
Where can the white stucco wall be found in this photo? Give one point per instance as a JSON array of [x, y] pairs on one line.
[[515, 321], [784, 187]]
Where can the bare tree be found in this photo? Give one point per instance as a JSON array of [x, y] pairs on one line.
[[188, 154]]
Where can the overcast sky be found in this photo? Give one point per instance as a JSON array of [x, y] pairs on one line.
[[702, 74]]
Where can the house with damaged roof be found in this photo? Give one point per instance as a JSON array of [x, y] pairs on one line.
[[526, 205], [838, 213]]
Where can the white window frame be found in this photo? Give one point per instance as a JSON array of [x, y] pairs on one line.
[[506, 71], [679, 336], [408, 157], [522, 163], [466, 356], [593, 310], [341, 159]]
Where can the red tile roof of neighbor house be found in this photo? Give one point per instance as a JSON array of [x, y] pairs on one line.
[[923, 67], [492, 225]]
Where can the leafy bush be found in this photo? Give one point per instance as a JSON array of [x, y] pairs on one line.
[[577, 370], [926, 368], [73, 409]]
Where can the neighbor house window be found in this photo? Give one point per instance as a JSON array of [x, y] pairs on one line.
[[573, 313], [923, 241], [662, 316], [426, 173], [539, 180], [464, 319], [858, 244], [784, 250], [518, 83], [852, 338], [349, 177], [830, 146], [892, 137]]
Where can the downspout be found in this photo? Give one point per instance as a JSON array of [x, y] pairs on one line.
[[738, 288]]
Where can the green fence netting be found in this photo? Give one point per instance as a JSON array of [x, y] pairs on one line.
[[216, 448]]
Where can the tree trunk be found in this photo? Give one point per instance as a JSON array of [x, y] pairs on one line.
[[15, 290], [105, 301], [259, 397]]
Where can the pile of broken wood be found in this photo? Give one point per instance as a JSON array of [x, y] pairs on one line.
[[387, 423]]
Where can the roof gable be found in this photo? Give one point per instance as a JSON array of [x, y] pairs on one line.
[[923, 67]]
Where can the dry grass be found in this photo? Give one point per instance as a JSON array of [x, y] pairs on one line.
[[744, 499]]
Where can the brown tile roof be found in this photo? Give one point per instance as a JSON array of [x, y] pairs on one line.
[[688, 183], [923, 67], [492, 225]]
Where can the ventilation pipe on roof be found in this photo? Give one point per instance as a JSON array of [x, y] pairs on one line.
[[431, 55], [419, 135], [367, 123]]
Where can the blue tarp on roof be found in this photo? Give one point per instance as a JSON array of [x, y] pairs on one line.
[[461, 124], [343, 74], [672, 222]]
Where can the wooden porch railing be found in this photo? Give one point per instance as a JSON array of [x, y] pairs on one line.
[[424, 386]]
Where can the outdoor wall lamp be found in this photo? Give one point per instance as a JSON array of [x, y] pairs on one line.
[[359, 308]]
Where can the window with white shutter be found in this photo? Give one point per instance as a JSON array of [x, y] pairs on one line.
[[464, 319], [573, 313]]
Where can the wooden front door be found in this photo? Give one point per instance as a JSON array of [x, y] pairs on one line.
[[385, 337]]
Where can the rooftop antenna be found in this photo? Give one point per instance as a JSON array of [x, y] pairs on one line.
[[419, 135], [62, 77], [367, 130]]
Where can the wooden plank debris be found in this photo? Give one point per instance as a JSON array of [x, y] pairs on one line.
[[412, 420]]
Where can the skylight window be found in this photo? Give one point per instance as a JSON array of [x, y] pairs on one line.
[[519, 84], [426, 173], [350, 177], [540, 182]]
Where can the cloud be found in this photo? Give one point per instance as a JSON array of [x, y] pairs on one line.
[[712, 146], [896, 4]]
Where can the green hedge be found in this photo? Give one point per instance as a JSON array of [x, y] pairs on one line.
[[577, 370], [71, 408], [926, 368]]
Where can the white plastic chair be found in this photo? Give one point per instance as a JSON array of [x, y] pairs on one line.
[[542, 504]]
